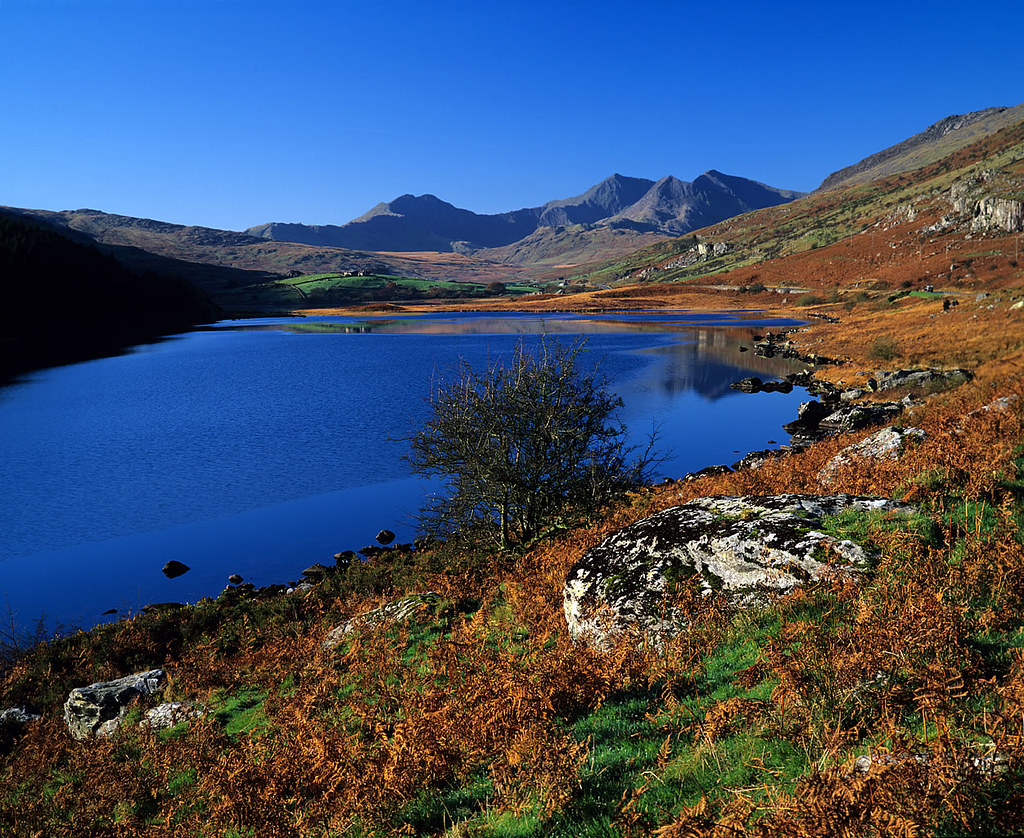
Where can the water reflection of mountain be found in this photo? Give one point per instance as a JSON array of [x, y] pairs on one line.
[[711, 361], [706, 360]]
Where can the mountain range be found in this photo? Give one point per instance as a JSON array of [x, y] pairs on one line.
[[617, 233], [665, 207], [617, 229]]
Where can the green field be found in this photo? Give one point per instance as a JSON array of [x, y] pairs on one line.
[[339, 289]]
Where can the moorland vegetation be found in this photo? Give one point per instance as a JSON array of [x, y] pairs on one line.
[[891, 705]]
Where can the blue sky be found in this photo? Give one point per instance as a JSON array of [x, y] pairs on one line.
[[230, 113]]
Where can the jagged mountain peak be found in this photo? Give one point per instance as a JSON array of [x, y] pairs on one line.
[[425, 222], [604, 199]]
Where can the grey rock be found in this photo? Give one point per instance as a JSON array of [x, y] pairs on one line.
[[853, 417], [235, 579], [386, 615], [747, 549], [708, 471], [161, 607], [315, 572], [385, 537], [344, 558], [17, 716], [1001, 404], [751, 384], [929, 378], [12, 721], [886, 444], [98, 709], [756, 459]]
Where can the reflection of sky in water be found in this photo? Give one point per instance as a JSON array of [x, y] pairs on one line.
[[256, 449]]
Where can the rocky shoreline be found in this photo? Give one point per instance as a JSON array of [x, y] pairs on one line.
[[744, 549]]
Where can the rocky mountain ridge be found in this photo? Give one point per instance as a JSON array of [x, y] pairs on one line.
[[935, 142], [667, 207]]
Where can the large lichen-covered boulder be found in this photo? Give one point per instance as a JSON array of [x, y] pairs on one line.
[[748, 549], [97, 710]]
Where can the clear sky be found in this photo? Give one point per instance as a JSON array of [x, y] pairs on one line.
[[230, 113]]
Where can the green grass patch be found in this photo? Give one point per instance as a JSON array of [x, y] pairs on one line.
[[865, 527], [242, 713]]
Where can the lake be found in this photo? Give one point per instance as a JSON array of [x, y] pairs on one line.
[[259, 447]]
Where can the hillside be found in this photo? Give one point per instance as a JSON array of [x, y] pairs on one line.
[[562, 248], [665, 207], [65, 301], [234, 267], [909, 225], [935, 142]]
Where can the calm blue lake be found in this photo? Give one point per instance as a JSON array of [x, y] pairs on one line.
[[261, 446]]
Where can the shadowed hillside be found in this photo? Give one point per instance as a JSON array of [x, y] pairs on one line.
[[65, 301]]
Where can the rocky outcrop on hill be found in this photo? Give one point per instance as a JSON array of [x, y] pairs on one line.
[[388, 614], [816, 419], [747, 549], [843, 411], [929, 379], [991, 200]]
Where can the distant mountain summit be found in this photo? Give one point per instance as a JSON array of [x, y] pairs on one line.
[[668, 207], [935, 142], [610, 197]]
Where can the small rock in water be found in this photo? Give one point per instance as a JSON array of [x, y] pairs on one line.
[[108, 612], [315, 571], [175, 568], [235, 579], [385, 537]]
